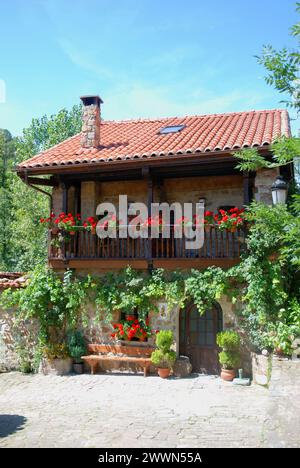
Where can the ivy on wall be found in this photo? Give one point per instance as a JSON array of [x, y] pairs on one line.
[[265, 286]]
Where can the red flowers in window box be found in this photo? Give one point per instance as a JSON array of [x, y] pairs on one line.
[[231, 219], [132, 329]]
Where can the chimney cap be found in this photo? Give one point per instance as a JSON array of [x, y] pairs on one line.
[[88, 100]]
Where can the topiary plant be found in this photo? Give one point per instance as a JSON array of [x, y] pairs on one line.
[[230, 342], [164, 357]]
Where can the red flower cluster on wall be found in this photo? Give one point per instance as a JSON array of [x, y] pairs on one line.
[[132, 328]]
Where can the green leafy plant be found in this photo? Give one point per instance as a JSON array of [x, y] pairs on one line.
[[76, 345], [55, 351], [230, 341], [56, 303], [164, 357]]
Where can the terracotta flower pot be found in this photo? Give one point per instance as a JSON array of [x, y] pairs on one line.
[[228, 374], [279, 352], [55, 231], [273, 257], [163, 373]]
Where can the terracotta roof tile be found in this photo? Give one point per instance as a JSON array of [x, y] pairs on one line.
[[136, 139], [11, 280]]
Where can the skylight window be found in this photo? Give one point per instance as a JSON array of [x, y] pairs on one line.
[[171, 129]]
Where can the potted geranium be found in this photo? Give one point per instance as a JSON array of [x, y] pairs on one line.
[[229, 357], [163, 357], [69, 222], [51, 223], [90, 224], [230, 220], [208, 220], [132, 329]]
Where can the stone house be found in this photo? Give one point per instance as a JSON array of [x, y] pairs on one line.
[[182, 159]]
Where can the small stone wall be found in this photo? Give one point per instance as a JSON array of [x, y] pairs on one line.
[[12, 335]]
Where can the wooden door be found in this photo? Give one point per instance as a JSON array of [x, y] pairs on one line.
[[198, 338]]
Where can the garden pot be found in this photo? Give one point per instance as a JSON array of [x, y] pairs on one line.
[[55, 366], [207, 229], [233, 229], [55, 231], [163, 373], [278, 352], [93, 231], [78, 367], [273, 257], [228, 374]]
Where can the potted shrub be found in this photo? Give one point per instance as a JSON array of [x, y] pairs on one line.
[[163, 358], [55, 359], [229, 357], [77, 349]]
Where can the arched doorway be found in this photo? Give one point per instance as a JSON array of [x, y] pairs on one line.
[[198, 337]]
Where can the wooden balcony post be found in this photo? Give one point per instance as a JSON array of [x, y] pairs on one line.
[[246, 184], [146, 174]]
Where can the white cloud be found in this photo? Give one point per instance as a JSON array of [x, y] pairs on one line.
[[146, 101], [83, 60]]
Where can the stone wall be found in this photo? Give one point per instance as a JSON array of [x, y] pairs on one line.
[[12, 336], [262, 186]]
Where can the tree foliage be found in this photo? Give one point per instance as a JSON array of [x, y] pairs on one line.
[[23, 240], [283, 67]]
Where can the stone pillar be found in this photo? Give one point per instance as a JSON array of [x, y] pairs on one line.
[[263, 181], [90, 133]]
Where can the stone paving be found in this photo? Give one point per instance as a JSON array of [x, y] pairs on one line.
[[130, 411]]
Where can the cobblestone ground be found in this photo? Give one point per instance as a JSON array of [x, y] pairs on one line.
[[130, 411]]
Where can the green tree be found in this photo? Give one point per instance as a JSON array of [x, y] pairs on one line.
[[282, 68], [7, 156], [26, 236]]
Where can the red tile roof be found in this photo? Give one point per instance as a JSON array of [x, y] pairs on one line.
[[11, 280], [137, 139]]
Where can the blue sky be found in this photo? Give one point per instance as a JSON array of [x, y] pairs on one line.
[[145, 58]]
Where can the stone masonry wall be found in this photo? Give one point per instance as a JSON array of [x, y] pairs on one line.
[[22, 335]]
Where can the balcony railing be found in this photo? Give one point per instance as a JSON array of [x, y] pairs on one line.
[[85, 245]]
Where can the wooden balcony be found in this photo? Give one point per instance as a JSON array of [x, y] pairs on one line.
[[86, 250]]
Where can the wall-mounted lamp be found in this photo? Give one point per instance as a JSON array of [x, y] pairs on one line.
[[279, 190]]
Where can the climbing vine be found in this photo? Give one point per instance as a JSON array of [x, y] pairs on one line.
[[265, 287]]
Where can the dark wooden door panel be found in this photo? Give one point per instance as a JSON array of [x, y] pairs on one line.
[[198, 338]]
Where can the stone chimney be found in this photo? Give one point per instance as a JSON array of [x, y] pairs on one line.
[[90, 137]]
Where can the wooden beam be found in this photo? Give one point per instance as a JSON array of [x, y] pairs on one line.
[[155, 161], [198, 263], [44, 182], [99, 264], [65, 188], [246, 185]]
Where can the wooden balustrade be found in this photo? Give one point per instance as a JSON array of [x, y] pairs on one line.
[[85, 245]]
